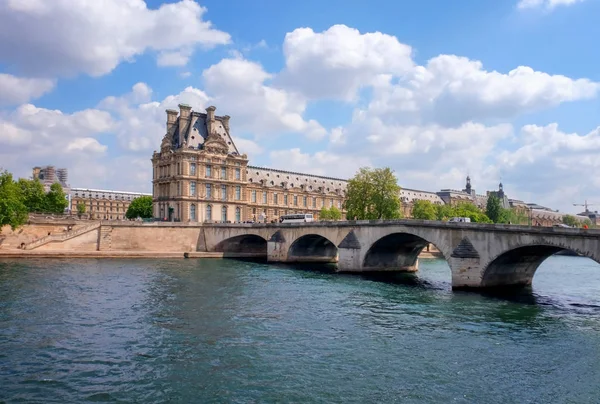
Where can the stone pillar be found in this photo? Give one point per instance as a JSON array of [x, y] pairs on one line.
[[171, 119], [349, 254], [184, 116], [277, 248], [225, 121], [465, 265], [210, 119]]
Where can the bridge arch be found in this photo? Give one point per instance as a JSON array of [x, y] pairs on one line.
[[397, 251], [517, 266], [312, 248], [247, 244]]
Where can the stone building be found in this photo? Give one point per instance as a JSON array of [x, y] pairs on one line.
[[101, 203], [199, 175]]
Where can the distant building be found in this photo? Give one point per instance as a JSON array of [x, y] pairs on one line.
[[49, 175], [101, 203]]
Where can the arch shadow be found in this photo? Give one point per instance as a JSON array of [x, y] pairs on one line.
[[244, 246], [515, 268], [312, 248], [396, 252]]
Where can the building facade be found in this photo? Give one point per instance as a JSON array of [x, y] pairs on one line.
[[101, 203], [199, 175]]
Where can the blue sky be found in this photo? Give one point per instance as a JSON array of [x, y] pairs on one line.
[[324, 87]]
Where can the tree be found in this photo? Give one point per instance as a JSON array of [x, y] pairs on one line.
[[424, 210], [32, 192], [513, 216], [493, 209], [334, 213], [570, 220], [373, 194], [13, 211], [80, 208], [140, 207], [466, 209], [444, 212], [324, 214], [56, 202]]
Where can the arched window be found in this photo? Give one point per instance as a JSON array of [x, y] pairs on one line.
[[238, 214], [193, 212], [208, 212], [224, 214]]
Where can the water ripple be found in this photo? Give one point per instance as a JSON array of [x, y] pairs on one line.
[[216, 331]]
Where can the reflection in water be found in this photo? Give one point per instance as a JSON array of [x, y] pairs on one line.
[[238, 331]]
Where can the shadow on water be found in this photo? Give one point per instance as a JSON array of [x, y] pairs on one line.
[[408, 279]]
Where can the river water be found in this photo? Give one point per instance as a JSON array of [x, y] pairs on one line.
[[226, 331]]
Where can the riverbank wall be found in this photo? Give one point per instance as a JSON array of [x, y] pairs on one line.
[[111, 239]]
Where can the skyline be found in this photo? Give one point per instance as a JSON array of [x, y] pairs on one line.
[[501, 92]]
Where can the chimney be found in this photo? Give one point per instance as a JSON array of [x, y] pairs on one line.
[[171, 119], [210, 119], [225, 121], [184, 115]]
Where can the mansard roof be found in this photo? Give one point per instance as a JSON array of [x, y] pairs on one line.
[[193, 131], [290, 179]]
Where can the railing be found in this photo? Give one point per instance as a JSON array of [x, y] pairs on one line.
[[60, 237]]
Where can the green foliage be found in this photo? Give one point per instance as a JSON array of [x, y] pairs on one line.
[[424, 210], [13, 211], [332, 213], [493, 209], [81, 208], [462, 209], [513, 216], [570, 220], [466, 209], [373, 194], [444, 212], [32, 192], [335, 213], [140, 207], [56, 201]]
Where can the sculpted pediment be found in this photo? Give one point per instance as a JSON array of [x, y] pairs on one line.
[[215, 144]]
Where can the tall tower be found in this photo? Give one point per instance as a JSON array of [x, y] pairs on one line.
[[468, 188]]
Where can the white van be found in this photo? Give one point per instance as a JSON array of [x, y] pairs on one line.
[[297, 218], [460, 220]]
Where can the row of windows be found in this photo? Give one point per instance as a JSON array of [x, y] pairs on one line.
[[164, 171], [305, 199], [97, 196], [209, 213], [208, 172]]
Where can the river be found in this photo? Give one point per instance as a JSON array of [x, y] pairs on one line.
[[226, 331]]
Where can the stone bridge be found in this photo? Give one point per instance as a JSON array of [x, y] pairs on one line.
[[479, 255]]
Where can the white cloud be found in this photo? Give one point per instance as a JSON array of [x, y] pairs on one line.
[[31, 136], [547, 162], [250, 147], [174, 58], [339, 61], [256, 107], [548, 4], [85, 144], [320, 163], [452, 90], [17, 90], [67, 37], [140, 123]]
